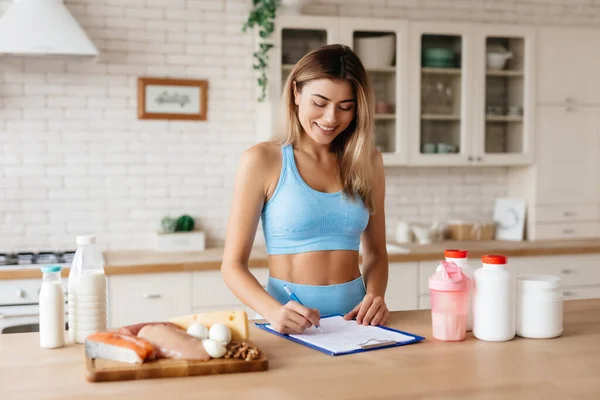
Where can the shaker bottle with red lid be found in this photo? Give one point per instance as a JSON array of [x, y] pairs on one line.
[[449, 289]]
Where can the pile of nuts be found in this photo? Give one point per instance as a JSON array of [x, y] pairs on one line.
[[242, 351]]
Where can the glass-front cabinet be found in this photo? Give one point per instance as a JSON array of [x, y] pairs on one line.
[[440, 93], [507, 103], [446, 93], [382, 47]]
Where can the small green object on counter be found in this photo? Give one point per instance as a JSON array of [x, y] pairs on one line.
[[168, 224], [185, 223]]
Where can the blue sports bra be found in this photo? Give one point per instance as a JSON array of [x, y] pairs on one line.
[[299, 219]]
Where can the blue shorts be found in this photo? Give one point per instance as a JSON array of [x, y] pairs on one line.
[[328, 299]]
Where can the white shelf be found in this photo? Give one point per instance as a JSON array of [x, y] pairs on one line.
[[385, 116], [382, 69], [441, 71], [440, 117], [503, 118], [491, 72]]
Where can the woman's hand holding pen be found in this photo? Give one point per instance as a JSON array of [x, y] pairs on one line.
[[370, 311], [293, 318]]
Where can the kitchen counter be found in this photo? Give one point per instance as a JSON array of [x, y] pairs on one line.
[[123, 262], [560, 368]]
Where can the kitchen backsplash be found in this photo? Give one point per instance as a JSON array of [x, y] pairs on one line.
[[74, 158]]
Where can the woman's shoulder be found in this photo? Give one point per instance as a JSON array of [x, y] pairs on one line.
[[262, 156]]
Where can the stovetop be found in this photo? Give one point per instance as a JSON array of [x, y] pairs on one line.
[[23, 259]]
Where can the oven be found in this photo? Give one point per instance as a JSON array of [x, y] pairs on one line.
[[19, 306]]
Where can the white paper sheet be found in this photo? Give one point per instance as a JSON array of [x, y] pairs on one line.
[[341, 336]]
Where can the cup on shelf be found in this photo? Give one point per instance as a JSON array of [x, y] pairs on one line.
[[383, 107], [445, 148], [429, 148]]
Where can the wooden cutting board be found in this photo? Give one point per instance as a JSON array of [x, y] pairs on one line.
[[101, 370]]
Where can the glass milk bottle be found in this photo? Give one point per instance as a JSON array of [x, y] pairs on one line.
[[52, 309], [87, 291], [461, 258], [494, 300]]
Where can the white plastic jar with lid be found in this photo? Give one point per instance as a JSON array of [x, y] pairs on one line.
[[539, 309], [461, 259], [494, 300]]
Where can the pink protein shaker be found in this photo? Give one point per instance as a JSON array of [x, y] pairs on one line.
[[449, 290]]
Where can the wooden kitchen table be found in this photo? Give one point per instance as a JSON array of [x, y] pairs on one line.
[[567, 367]]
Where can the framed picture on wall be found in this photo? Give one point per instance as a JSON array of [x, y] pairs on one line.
[[166, 98]]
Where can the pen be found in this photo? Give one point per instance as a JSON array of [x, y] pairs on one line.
[[297, 300]]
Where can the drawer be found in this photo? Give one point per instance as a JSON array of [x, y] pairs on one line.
[[24, 291], [567, 213], [149, 297], [209, 291], [581, 293], [577, 270], [575, 230]]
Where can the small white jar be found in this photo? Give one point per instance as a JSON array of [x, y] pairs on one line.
[[539, 306]]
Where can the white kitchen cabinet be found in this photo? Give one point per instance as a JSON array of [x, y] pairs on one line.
[[431, 114], [567, 68], [148, 297], [440, 93], [389, 82], [401, 293], [562, 191], [209, 291], [504, 108], [469, 114], [568, 158]]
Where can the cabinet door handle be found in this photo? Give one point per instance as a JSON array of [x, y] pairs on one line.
[[567, 271], [4, 316], [568, 214], [568, 231], [151, 296], [568, 294], [479, 159], [470, 158]]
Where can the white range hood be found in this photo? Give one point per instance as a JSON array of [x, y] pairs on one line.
[[42, 27]]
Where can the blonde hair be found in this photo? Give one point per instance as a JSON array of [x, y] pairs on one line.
[[354, 146]]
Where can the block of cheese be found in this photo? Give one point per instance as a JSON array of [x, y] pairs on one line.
[[236, 321]]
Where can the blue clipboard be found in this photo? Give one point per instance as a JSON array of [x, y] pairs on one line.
[[364, 347]]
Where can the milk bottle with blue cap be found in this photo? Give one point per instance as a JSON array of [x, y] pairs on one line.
[[52, 309], [87, 291]]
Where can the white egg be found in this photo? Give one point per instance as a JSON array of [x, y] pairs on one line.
[[198, 331], [215, 349], [221, 333]]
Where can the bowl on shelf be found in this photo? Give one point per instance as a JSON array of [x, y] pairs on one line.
[[497, 60], [438, 58], [376, 50]]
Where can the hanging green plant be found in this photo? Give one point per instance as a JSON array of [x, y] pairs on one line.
[[262, 15]]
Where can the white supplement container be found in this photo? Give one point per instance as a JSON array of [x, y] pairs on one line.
[[539, 309], [52, 309], [461, 259], [494, 300], [87, 291]]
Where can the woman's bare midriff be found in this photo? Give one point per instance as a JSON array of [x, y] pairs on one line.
[[330, 267]]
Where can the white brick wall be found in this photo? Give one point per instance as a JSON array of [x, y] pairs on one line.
[[74, 159]]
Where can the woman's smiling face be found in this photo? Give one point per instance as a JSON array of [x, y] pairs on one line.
[[325, 108]]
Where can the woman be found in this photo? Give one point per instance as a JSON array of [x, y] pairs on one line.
[[319, 187]]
